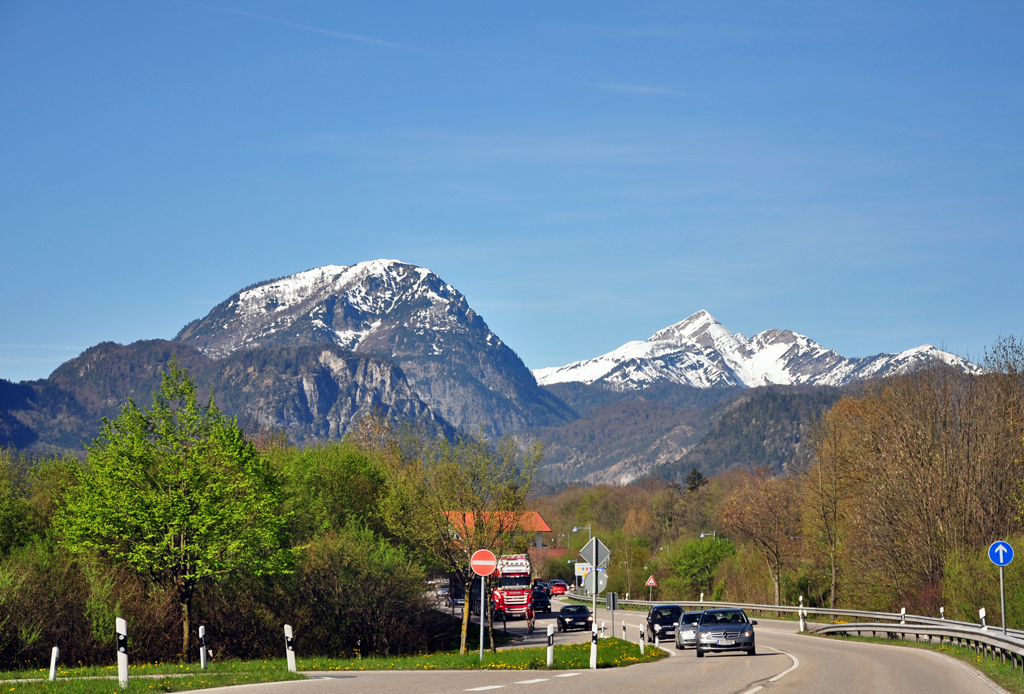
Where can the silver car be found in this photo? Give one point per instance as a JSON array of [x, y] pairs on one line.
[[686, 630], [723, 630]]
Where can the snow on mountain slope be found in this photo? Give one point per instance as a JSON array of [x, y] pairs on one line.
[[398, 311], [701, 352]]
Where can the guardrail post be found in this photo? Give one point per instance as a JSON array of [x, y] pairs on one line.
[[551, 645], [53, 663]]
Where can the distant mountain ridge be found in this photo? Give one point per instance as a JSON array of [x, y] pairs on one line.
[[701, 352], [397, 311], [312, 393]]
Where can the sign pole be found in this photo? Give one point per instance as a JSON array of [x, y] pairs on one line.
[[483, 598], [1002, 599], [1001, 554], [593, 635]]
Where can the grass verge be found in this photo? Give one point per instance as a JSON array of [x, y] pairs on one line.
[[166, 677], [611, 652], [156, 677], [1001, 673]]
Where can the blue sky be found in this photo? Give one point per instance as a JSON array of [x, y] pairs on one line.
[[586, 173]]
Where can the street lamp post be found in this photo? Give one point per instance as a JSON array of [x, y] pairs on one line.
[[713, 534]]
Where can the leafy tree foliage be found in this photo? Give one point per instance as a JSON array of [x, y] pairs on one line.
[[176, 492]]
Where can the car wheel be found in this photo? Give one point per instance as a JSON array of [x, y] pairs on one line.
[[678, 647], [752, 651], [700, 653]]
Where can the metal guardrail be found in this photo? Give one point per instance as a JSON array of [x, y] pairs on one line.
[[858, 615], [984, 641]]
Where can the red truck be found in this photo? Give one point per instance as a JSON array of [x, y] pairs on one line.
[[514, 592]]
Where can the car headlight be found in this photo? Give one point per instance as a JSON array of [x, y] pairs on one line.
[[590, 618], [748, 633]]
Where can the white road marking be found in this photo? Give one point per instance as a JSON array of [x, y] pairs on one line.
[[569, 674], [796, 664], [755, 689], [484, 689], [531, 681]]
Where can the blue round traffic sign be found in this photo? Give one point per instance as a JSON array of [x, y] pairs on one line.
[[1001, 553]]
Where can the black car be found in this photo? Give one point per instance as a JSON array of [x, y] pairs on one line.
[[574, 617], [664, 616], [541, 601]]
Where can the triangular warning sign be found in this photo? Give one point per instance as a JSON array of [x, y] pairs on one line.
[[651, 583]]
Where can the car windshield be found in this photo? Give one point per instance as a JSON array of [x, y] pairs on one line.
[[540, 594], [723, 617], [575, 610], [691, 617], [665, 612]]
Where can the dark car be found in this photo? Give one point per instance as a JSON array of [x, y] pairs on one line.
[[541, 601], [686, 632], [574, 617], [664, 616], [726, 629], [542, 585]]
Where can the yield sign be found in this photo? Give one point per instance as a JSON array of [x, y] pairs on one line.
[[483, 562], [1001, 553], [651, 583], [593, 546]]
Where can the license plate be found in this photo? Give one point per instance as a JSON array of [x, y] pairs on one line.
[[726, 642]]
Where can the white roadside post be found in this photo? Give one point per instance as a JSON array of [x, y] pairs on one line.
[[803, 616], [657, 635], [121, 626], [593, 646], [702, 598], [643, 640], [551, 645], [53, 663], [942, 613], [903, 615], [603, 636], [623, 631], [981, 613], [289, 647], [202, 648]]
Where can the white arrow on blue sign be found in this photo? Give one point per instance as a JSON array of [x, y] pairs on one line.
[[1001, 553]]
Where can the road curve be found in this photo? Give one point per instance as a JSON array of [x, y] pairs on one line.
[[786, 663]]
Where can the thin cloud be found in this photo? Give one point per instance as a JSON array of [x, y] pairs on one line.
[[303, 27], [641, 89]]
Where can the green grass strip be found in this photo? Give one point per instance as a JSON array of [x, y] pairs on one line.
[[611, 652]]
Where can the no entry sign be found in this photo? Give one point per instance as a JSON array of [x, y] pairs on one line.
[[483, 562]]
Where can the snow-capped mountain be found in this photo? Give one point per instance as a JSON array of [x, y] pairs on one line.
[[398, 311], [701, 352]]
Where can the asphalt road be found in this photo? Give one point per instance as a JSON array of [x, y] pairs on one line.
[[786, 663]]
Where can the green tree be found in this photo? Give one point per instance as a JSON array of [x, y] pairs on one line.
[[176, 492], [455, 498], [695, 563]]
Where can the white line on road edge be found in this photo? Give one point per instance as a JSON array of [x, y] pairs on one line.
[[531, 681], [796, 664]]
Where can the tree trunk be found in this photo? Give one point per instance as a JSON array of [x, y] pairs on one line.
[[186, 627], [832, 588], [465, 618]]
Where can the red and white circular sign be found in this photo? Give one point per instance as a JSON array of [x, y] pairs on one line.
[[483, 562]]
